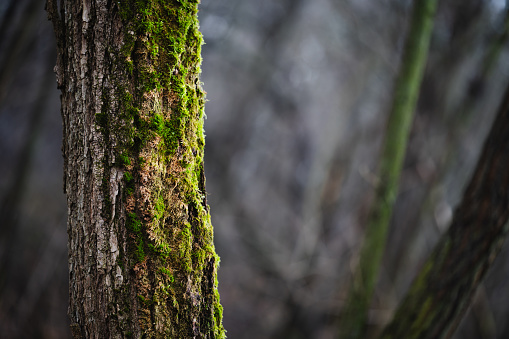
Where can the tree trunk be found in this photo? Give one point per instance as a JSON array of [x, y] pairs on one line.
[[141, 256], [442, 291]]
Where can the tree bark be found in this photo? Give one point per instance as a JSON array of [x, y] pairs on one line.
[[141, 256], [442, 291]]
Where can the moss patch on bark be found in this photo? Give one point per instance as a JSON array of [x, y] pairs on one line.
[[157, 128]]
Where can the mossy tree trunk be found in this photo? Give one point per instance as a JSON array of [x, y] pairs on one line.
[[442, 291], [141, 255]]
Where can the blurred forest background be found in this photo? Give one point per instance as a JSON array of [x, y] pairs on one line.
[[298, 96]]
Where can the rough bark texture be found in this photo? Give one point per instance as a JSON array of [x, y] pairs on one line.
[[446, 284], [141, 255]]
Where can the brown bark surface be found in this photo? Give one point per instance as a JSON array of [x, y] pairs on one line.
[[141, 254]]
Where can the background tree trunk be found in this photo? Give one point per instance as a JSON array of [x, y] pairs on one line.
[[443, 290], [141, 255]]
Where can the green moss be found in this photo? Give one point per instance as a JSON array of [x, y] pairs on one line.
[[128, 177], [185, 246], [144, 300], [159, 208], [167, 289], [124, 159], [157, 124], [159, 128], [133, 224], [140, 250], [166, 272], [163, 250]]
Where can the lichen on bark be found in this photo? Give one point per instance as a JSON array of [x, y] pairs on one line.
[[140, 234]]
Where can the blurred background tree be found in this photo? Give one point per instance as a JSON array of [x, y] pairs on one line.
[[298, 98]]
